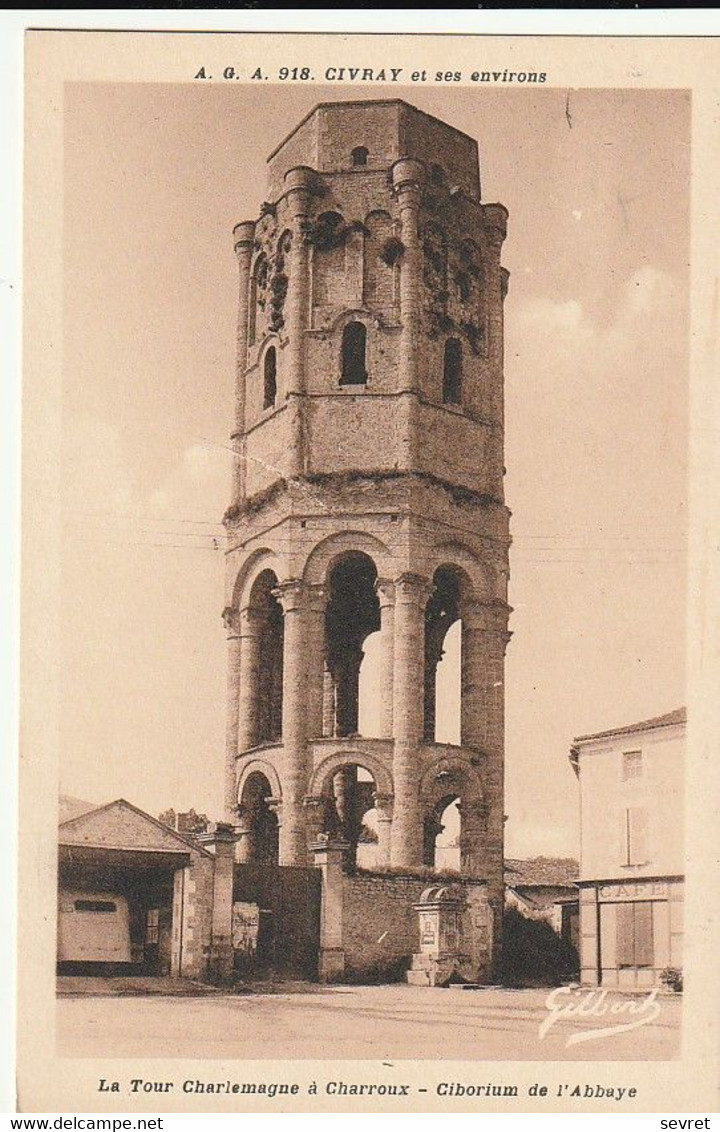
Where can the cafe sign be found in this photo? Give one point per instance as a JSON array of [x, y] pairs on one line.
[[634, 890]]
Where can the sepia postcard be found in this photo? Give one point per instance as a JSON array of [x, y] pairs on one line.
[[368, 720]]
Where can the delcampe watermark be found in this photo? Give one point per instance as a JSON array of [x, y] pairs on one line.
[[587, 1006]]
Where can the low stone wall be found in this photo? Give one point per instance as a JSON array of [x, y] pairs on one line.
[[380, 926]]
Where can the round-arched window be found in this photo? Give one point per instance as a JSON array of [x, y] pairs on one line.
[[452, 372], [270, 378], [354, 345]]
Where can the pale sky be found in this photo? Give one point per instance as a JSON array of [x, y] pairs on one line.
[[596, 434]]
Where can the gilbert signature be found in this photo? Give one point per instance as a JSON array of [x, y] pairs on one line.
[[585, 1007]]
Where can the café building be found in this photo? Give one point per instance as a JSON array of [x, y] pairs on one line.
[[631, 851]]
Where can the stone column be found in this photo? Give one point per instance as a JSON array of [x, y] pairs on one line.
[[293, 840], [231, 617], [384, 810], [251, 626], [244, 837], [432, 828], [386, 596], [411, 595], [275, 806], [328, 856], [407, 177], [433, 655], [315, 621], [345, 786], [496, 282], [473, 837], [298, 189], [221, 949], [314, 817], [347, 663], [484, 640], [343, 781], [244, 236], [328, 726]]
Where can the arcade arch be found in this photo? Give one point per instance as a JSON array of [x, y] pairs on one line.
[[257, 820]]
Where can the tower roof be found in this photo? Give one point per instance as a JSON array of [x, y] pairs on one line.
[[368, 102], [387, 129]]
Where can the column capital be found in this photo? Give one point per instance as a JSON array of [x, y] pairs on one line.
[[231, 620], [327, 844], [275, 806], [243, 818], [316, 597], [250, 620], [291, 594], [314, 801], [412, 589], [385, 590]]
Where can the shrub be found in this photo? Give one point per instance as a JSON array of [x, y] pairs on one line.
[[672, 978], [533, 955]]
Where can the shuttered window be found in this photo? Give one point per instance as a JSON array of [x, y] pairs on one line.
[[634, 934]]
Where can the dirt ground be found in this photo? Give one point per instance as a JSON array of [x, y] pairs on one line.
[[378, 1023]]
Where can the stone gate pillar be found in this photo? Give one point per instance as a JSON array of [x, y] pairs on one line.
[[328, 857], [222, 840], [384, 810]]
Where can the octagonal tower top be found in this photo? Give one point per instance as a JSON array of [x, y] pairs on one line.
[[340, 136]]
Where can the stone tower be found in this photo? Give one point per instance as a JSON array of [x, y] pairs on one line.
[[368, 491]]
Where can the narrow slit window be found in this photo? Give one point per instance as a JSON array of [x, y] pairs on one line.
[[270, 378], [354, 345], [452, 373]]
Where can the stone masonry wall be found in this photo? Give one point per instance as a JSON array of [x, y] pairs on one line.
[[381, 927]]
